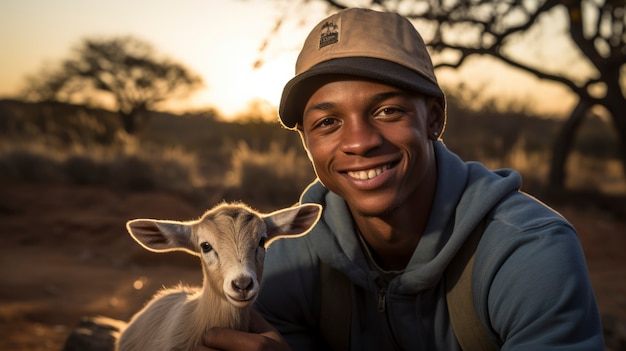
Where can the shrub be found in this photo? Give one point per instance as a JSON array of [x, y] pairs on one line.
[[83, 170], [29, 165], [269, 179]]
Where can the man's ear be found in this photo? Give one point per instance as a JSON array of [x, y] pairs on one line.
[[436, 117]]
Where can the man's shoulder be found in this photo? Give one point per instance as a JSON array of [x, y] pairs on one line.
[[522, 212]]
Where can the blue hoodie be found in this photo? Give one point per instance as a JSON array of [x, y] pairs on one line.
[[530, 283]]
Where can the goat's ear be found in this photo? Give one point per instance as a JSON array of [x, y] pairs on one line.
[[161, 236], [292, 221]]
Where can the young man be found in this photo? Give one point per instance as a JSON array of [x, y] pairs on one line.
[[398, 207]]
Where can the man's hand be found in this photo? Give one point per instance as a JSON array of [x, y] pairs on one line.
[[262, 336]]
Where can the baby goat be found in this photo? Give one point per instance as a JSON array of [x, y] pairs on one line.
[[230, 240]]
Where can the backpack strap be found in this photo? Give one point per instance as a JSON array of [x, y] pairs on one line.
[[468, 329], [336, 307]]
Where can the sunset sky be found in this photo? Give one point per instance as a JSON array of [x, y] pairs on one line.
[[218, 40]]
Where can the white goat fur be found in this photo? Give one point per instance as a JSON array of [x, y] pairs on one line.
[[234, 238]]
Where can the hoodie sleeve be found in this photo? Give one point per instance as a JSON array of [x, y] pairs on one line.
[[537, 291]]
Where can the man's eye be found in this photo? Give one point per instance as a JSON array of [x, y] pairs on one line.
[[389, 111], [327, 122]]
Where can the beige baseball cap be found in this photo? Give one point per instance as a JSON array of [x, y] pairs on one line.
[[383, 46]]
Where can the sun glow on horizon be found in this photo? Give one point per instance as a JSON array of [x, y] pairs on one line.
[[219, 42]]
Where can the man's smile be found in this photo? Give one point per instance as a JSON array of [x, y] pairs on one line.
[[369, 173]]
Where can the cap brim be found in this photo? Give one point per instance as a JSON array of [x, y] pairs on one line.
[[296, 91]]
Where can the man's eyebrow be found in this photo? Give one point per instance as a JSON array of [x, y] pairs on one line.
[[322, 106], [325, 106], [390, 94]]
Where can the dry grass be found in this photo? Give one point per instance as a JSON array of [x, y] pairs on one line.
[[604, 176], [125, 164], [257, 161]]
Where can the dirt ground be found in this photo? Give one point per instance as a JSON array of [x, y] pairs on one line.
[[64, 254]]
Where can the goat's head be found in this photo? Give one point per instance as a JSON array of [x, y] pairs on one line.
[[230, 239]]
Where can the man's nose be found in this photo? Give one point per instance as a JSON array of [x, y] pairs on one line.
[[359, 137]]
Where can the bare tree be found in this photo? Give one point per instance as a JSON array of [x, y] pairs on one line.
[[125, 70], [458, 29]]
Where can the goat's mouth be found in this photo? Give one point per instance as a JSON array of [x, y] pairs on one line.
[[242, 299]]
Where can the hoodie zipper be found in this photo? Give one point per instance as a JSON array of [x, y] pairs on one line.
[[381, 300]]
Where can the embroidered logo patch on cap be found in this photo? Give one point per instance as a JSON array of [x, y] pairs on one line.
[[329, 34]]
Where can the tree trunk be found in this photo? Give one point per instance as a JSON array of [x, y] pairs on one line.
[[135, 120], [619, 121], [615, 103], [128, 122], [563, 145]]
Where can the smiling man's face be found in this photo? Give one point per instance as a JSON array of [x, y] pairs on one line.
[[370, 142]]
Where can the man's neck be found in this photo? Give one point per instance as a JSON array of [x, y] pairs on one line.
[[393, 239]]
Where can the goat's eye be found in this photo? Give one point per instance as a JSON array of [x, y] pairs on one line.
[[262, 241], [206, 247]]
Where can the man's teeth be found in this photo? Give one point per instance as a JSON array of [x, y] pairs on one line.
[[368, 174]]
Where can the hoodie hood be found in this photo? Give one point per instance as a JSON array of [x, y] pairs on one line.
[[466, 192]]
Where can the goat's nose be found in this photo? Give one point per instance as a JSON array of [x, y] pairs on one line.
[[242, 283]]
